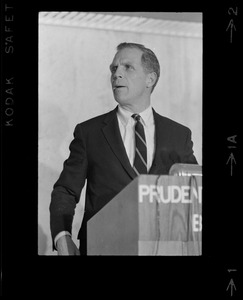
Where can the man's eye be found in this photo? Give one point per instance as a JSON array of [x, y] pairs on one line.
[[128, 67], [113, 69]]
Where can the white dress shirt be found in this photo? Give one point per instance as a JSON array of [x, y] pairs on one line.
[[127, 129]]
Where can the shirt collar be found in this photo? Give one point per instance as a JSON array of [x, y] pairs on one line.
[[125, 115], [147, 116]]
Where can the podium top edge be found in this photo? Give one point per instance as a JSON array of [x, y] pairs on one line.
[[156, 179]]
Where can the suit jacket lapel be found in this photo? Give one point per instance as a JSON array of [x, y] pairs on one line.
[[159, 142], [113, 136]]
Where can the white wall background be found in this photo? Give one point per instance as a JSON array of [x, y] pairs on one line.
[[74, 85]]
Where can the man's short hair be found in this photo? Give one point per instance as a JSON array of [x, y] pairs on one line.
[[150, 62]]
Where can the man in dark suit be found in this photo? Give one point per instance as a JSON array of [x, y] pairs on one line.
[[110, 150]]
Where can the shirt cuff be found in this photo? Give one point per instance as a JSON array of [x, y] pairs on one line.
[[60, 234]]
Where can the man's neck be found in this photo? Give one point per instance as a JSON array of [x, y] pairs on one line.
[[135, 108]]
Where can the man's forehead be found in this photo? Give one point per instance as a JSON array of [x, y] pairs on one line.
[[128, 54]]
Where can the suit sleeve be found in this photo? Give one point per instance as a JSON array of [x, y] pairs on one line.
[[66, 191], [188, 157]]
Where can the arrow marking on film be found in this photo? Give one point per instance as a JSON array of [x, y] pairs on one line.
[[231, 159], [232, 286], [231, 26]]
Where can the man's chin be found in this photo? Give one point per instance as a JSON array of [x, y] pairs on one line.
[[120, 100]]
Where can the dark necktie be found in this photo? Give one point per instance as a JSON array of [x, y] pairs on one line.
[[140, 161]]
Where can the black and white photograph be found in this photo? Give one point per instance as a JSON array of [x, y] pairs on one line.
[[102, 73]]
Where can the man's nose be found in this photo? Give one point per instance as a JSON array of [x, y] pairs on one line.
[[118, 73]]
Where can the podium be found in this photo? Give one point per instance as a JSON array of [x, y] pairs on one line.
[[153, 215]]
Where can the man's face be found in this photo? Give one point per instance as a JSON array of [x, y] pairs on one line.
[[128, 78]]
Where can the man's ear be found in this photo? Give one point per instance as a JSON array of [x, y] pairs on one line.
[[151, 79]]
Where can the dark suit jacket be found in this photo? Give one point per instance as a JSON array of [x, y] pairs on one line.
[[97, 153]]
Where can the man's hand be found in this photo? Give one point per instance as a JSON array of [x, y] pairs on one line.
[[66, 246]]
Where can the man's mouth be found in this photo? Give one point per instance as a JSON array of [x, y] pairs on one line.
[[118, 87]]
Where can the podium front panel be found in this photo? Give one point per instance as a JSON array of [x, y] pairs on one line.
[[153, 215], [170, 215]]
